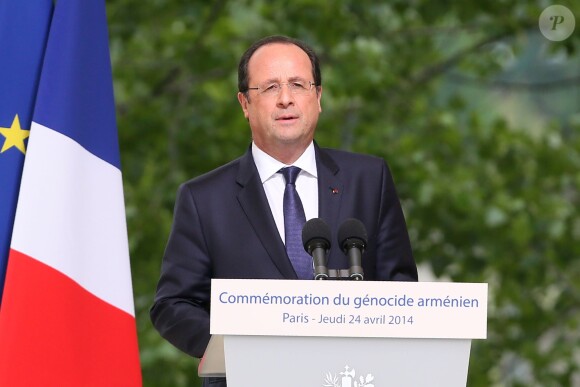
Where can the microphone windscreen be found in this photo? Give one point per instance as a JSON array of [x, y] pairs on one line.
[[315, 228], [352, 228]]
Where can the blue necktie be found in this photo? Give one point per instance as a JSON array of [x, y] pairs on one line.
[[294, 220]]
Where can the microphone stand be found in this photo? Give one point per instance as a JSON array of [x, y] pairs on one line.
[[354, 251], [354, 273]]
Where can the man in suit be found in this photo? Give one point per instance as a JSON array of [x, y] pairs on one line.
[[230, 222]]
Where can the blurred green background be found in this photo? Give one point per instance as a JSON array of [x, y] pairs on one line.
[[477, 114]]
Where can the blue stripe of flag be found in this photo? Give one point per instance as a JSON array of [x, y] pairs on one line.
[[24, 27], [75, 95]]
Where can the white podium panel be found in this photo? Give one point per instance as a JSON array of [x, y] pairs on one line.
[[261, 361]]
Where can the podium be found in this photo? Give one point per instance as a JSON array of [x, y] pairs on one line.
[[343, 333]]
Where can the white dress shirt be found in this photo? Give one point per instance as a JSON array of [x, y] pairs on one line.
[[274, 183]]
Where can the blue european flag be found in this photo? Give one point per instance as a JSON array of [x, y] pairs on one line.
[[24, 26]]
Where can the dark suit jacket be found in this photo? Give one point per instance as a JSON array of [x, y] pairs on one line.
[[223, 228]]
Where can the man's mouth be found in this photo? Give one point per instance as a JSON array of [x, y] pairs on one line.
[[286, 118]]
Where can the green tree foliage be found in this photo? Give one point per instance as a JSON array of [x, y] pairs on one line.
[[475, 111]]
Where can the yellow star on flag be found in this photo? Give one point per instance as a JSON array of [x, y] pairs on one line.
[[15, 136]]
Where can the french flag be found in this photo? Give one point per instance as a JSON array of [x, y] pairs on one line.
[[67, 316]]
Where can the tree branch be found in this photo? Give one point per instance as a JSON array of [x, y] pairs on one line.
[[431, 72], [204, 29], [517, 86]]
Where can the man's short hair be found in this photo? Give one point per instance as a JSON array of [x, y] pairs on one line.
[[243, 76]]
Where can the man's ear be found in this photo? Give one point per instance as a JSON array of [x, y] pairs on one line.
[[243, 100]]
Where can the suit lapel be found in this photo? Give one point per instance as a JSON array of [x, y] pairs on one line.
[[330, 187], [255, 205]]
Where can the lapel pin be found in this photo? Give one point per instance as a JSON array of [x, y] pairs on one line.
[[333, 190]]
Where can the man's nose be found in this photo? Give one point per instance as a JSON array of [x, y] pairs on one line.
[[285, 96]]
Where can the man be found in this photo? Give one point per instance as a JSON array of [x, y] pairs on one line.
[[230, 222]]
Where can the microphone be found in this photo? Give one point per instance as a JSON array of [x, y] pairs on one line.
[[316, 241], [352, 237]]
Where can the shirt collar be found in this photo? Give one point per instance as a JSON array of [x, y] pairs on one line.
[[269, 166]]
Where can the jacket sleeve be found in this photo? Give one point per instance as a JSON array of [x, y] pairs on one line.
[[394, 255], [181, 307]]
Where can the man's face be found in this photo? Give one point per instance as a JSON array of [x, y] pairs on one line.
[[283, 123]]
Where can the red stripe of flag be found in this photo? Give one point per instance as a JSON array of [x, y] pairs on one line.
[[50, 346]]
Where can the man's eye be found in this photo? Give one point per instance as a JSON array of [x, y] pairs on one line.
[[272, 87], [298, 85]]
